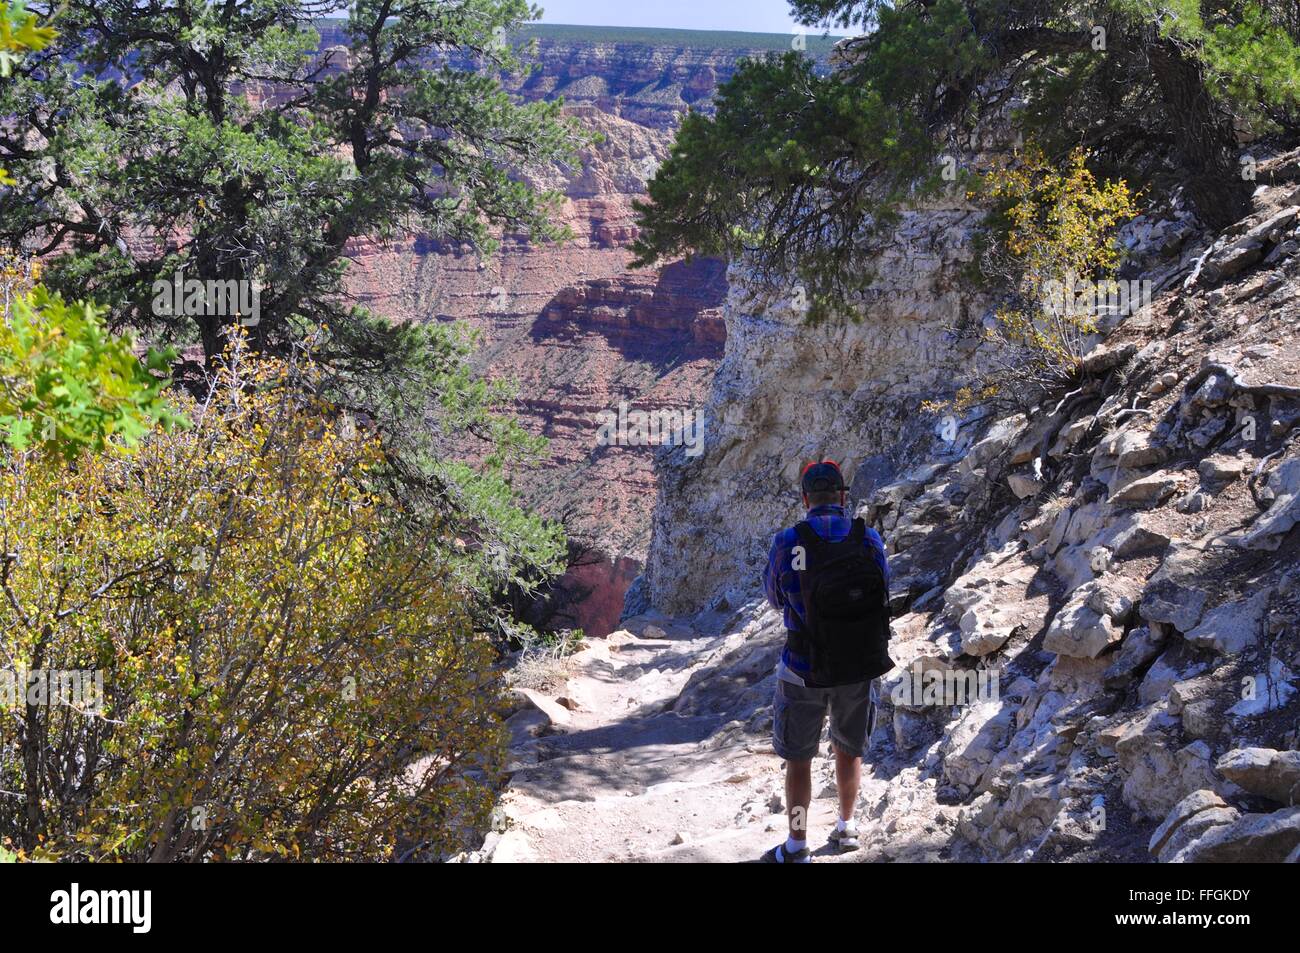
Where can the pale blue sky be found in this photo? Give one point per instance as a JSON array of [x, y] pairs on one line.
[[756, 16]]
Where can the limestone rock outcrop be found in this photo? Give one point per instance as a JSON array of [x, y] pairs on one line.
[[1126, 564]]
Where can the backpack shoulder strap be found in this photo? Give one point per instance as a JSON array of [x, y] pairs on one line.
[[858, 534], [807, 535]]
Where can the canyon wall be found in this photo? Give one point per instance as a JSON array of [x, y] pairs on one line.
[[577, 329]]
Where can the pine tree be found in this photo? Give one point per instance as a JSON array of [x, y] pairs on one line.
[[217, 140], [798, 169]]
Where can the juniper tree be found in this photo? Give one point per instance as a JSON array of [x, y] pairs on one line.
[[218, 140], [798, 169]]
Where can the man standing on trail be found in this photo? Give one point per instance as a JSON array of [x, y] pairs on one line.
[[830, 577]]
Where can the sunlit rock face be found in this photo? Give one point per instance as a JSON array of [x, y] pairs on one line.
[[786, 392]]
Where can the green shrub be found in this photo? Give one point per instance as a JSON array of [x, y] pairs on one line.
[[288, 667], [67, 384]]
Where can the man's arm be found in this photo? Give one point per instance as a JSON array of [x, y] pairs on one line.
[[772, 573], [876, 546]]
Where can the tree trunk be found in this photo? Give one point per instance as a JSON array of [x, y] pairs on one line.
[[1206, 141]]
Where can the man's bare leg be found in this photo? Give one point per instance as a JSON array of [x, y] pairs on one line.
[[798, 796], [848, 777]]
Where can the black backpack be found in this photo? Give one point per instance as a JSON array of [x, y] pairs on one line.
[[846, 608]]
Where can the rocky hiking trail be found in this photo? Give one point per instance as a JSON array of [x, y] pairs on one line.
[[1120, 564], [638, 756]]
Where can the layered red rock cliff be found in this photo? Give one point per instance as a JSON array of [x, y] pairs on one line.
[[572, 324]]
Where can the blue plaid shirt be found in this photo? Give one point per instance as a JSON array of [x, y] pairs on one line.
[[781, 582]]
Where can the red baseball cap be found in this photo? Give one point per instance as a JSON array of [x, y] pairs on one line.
[[819, 477]]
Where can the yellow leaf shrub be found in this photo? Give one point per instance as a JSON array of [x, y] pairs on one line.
[[1054, 232], [287, 669]]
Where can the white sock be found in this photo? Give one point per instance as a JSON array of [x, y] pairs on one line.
[[842, 825], [793, 846]]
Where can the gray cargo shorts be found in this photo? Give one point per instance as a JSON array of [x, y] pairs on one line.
[[798, 713]]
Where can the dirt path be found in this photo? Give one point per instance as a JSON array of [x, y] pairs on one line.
[[650, 764]]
